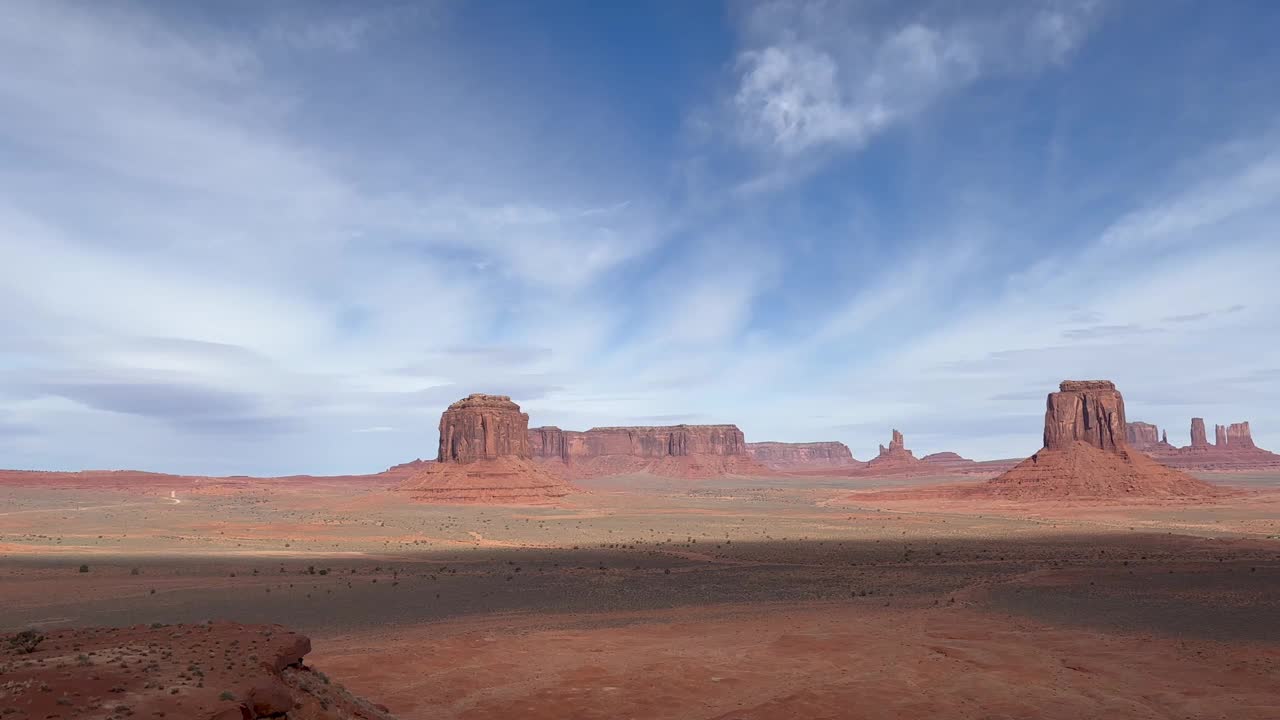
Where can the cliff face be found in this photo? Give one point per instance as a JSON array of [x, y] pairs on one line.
[[1088, 411], [659, 442], [673, 450], [548, 442], [1198, 437], [484, 456], [782, 455], [1240, 437], [1140, 434], [483, 427]]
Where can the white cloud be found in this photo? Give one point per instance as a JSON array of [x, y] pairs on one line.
[[816, 74]]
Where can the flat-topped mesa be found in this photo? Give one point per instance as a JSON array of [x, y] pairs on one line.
[[685, 451], [1239, 437], [782, 455], [1220, 436], [483, 427], [1142, 435], [1086, 455], [1088, 411], [666, 441], [1198, 437]]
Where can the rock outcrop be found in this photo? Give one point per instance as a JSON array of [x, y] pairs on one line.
[[1233, 450], [211, 671], [1142, 435], [1239, 437], [1198, 437], [483, 427], [1087, 411], [484, 456], [894, 456], [1086, 455], [679, 451], [789, 456]]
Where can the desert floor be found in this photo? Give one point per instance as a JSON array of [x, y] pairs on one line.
[[649, 598]]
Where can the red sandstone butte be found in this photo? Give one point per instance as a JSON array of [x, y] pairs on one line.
[[1086, 455], [1198, 437], [1233, 450], [896, 455], [483, 427], [786, 456], [677, 451], [1142, 435], [1239, 436], [211, 671], [484, 456]]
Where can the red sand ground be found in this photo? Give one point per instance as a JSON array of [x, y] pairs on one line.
[[710, 599], [498, 481], [807, 661]]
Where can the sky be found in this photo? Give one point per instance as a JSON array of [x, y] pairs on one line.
[[277, 238]]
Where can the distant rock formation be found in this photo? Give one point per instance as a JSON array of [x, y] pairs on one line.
[[1086, 454], [788, 456], [894, 456], [1240, 437], [484, 456], [548, 442], [1233, 450], [1142, 435], [1198, 437], [679, 451], [948, 461]]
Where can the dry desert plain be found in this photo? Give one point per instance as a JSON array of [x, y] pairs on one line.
[[643, 597]]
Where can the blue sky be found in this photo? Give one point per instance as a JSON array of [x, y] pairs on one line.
[[281, 237]]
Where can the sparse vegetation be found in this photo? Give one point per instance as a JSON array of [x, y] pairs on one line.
[[26, 641]]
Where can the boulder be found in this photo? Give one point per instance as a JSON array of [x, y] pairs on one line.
[[268, 699]]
